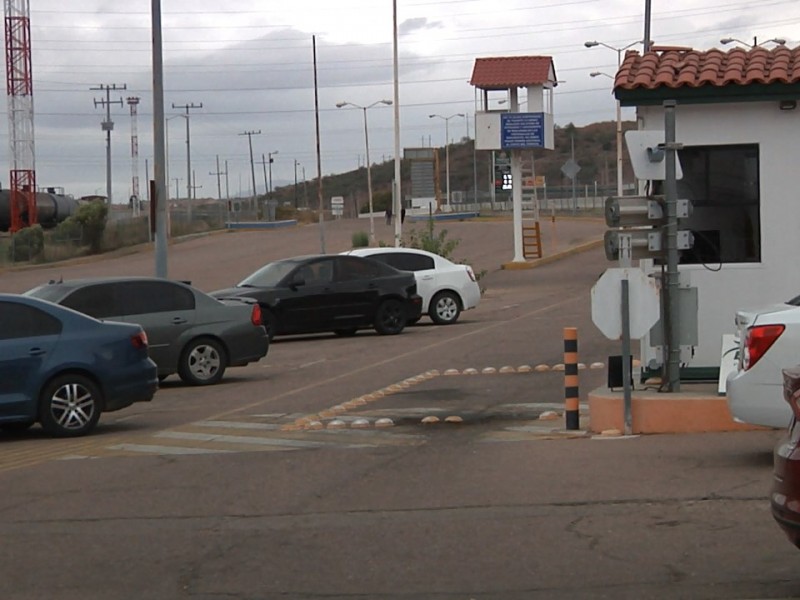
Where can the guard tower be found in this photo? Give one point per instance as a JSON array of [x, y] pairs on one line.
[[501, 124]]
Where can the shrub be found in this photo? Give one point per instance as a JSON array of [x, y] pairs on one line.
[[433, 242], [92, 218], [360, 239], [27, 244]]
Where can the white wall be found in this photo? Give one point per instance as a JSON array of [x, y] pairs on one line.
[[744, 285]]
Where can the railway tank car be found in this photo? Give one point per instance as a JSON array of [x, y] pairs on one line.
[[51, 208]]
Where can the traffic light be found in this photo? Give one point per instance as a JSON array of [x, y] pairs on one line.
[[639, 222]]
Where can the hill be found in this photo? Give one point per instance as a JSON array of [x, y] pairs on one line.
[[595, 153]]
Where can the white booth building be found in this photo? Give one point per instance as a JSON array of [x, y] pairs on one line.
[[738, 119]]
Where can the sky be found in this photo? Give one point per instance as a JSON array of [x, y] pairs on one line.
[[250, 64]]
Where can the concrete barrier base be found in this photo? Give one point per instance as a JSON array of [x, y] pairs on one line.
[[694, 409]]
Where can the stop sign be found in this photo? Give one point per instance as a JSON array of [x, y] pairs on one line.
[[643, 302]]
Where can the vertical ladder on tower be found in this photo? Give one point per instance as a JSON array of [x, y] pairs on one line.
[[531, 230]]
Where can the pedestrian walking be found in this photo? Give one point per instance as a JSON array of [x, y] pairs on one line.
[[389, 216]]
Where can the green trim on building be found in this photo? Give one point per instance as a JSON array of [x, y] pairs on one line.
[[709, 94]]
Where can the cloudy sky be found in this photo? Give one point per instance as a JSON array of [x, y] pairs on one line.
[[250, 64]]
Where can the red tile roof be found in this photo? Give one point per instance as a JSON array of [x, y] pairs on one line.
[[684, 67], [504, 72]]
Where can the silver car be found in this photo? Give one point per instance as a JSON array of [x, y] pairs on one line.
[[190, 333]]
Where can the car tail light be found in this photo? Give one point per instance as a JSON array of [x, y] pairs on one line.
[[471, 274], [759, 339], [255, 315], [139, 340], [791, 388]]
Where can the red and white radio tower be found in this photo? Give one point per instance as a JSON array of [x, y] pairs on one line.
[[133, 102], [19, 83]]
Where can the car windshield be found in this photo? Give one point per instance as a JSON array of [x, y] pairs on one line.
[[269, 275]]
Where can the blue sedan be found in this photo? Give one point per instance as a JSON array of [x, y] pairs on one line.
[[61, 368]]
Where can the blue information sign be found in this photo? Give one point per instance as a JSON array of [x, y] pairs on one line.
[[522, 130]]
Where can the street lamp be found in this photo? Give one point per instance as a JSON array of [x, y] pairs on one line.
[[619, 134], [729, 40], [269, 162], [619, 52], [369, 171], [447, 151]]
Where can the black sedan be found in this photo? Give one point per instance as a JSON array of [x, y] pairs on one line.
[[311, 294], [190, 333]]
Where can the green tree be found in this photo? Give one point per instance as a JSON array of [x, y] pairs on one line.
[[92, 218]]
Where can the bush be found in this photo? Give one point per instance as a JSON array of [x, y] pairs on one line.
[[92, 218], [360, 239], [27, 244], [432, 242]]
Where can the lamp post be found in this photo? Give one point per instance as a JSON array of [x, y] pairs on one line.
[[619, 52], [269, 163], [369, 170], [189, 188], [447, 151], [619, 135], [730, 40]]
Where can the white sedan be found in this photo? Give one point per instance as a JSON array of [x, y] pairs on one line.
[[446, 288], [769, 341]]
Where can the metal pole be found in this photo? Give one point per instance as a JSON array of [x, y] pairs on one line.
[[647, 25], [626, 355], [574, 177], [227, 189], [250, 134], [159, 161], [398, 227], [264, 168], [619, 134], [319, 156], [295, 184], [571, 385], [671, 200], [369, 182], [447, 161]]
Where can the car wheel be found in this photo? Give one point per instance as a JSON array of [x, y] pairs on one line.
[[70, 405], [17, 426], [445, 308], [350, 332], [390, 318], [202, 362]]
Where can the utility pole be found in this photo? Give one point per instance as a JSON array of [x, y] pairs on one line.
[[295, 184], [195, 187], [227, 189], [250, 135], [218, 173], [177, 180], [108, 124], [189, 190], [263, 163]]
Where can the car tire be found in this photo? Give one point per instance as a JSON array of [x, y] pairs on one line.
[[350, 332], [17, 426], [203, 362], [445, 308], [70, 405], [390, 318]]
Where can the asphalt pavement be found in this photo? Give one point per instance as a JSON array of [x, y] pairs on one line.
[[229, 492]]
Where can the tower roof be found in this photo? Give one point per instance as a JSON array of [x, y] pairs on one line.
[[504, 72]]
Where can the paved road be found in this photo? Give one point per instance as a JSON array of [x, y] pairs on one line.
[[213, 493]]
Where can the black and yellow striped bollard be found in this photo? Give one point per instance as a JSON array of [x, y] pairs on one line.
[[571, 388]]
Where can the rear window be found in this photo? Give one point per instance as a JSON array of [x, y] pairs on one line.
[[405, 261], [22, 321]]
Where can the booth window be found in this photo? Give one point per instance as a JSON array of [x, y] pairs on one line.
[[722, 183]]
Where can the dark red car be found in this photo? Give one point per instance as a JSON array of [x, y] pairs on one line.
[[785, 498]]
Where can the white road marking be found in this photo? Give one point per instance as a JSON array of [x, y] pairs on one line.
[[154, 449]]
